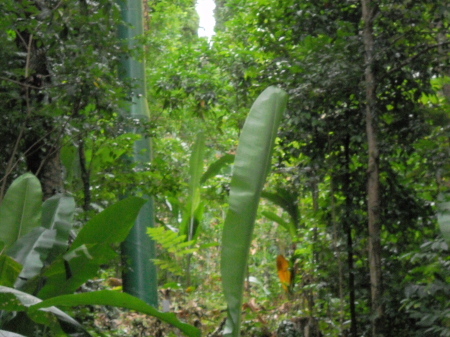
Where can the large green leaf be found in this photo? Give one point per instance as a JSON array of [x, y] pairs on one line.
[[16, 300], [443, 217], [117, 299], [251, 165], [91, 248], [111, 225], [9, 270], [57, 214], [31, 251], [20, 210]]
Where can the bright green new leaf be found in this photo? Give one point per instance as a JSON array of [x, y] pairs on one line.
[[9, 270], [251, 165], [20, 210], [112, 298], [443, 217]]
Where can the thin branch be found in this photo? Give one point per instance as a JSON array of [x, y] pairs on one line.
[[57, 5], [412, 58], [55, 148], [21, 38], [27, 65], [20, 83], [31, 149]]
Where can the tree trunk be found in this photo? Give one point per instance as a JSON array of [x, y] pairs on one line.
[[348, 232], [85, 175], [373, 185], [41, 140], [337, 251]]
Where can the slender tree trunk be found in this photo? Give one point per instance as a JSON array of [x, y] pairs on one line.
[[337, 251], [373, 186], [85, 175], [348, 233], [315, 202], [315, 256]]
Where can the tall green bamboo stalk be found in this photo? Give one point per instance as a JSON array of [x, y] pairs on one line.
[[138, 250]]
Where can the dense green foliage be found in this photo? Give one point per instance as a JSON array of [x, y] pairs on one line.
[[61, 111]]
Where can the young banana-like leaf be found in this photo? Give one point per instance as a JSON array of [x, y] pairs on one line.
[[251, 166], [20, 210]]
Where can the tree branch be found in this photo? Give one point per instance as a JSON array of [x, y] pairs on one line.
[[412, 58], [20, 83]]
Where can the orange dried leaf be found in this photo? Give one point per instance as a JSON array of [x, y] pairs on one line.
[[283, 272]]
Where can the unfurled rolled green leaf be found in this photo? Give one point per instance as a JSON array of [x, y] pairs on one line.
[[9, 270], [251, 165], [112, 298], [193, 210], [443, 217], [20, 210]]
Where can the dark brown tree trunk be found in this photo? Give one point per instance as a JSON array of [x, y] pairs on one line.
[[50, 174], [41, 146], [373, 185], [85, 176]]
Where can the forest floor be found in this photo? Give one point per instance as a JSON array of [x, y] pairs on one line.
[[259, 317]]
